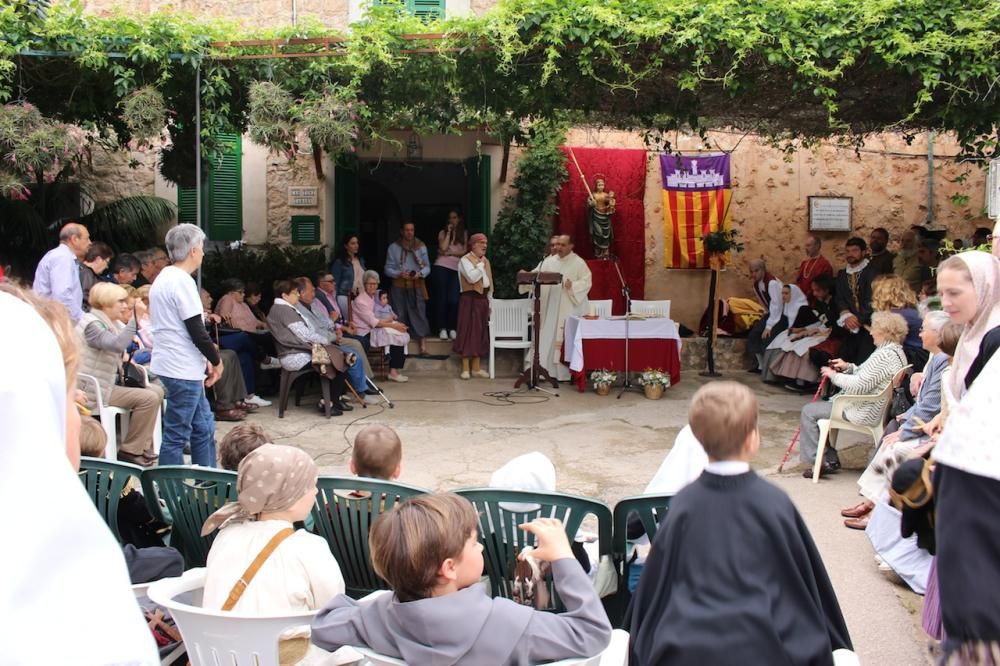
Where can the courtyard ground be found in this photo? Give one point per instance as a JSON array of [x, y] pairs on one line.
[[455, 434]]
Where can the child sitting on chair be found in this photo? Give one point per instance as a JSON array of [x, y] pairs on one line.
[[733, 552], [440, 613], [383, 336]]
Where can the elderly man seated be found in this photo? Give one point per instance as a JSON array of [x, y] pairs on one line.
[[294, 341], [871, 377]]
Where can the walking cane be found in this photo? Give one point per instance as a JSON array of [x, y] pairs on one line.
[[795, 437]]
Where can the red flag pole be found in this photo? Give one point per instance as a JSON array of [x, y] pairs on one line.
[[795, 437]]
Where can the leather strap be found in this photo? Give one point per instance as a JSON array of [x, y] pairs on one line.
[[241, 585]]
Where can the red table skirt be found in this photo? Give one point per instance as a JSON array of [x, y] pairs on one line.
[[643, 354]]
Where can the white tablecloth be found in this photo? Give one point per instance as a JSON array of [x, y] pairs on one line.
[[579, 329]]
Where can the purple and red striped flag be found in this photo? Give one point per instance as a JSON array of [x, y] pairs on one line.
[[696, 195]]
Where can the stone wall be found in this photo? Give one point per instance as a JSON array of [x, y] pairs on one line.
[[887, 180], [261, 13], [109, 175]]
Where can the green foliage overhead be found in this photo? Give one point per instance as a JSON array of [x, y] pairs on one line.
[[130, 223], [784, 68], [524, 224]]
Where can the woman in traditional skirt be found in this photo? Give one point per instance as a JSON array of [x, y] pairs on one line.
[[476, 280], [795, 312], [967, 471]]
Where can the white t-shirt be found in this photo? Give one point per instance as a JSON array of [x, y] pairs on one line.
[[174, 298]]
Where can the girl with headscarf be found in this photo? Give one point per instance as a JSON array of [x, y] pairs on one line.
[[476, 280], [787, 353], [967, 470], [276, 487]]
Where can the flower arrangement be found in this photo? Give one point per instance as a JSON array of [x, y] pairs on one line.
[[603, 377], [651, 377]]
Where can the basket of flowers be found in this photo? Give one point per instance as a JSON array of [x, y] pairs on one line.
[[654, 382], [602, 380]]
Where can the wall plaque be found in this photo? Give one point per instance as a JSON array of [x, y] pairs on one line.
[[830, 213], [303, 197]]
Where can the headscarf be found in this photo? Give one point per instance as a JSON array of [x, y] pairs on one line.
[[685, 463], [476, 238], [271, 478], [532, 472], [92, 585], [794, 304], [985, 271]]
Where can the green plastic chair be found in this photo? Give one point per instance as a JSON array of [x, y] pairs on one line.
[[345, 522], [105, 481], [191, 495], [650, 510], [500, 513]]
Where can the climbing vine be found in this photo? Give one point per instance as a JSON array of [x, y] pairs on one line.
[[784, 68]]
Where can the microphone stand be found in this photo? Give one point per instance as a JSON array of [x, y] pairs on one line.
[[627, 294]]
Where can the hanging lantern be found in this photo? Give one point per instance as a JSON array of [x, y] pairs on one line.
[[414, 149]]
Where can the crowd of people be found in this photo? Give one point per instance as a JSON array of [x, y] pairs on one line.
[[774, 601]]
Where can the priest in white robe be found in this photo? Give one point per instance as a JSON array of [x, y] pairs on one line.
[[559, 301]]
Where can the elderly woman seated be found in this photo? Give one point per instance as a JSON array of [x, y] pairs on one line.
[[295, 340], [888, 330], [104, 339], [365, 322], [908, 441]]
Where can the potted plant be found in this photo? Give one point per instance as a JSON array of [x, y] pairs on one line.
[[603, 379], [653, 383], [720, 243]]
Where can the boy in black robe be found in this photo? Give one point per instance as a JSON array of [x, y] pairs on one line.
[[733, 576]]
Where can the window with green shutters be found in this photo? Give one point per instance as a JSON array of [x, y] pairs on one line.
[[222, 194], [429, 10]]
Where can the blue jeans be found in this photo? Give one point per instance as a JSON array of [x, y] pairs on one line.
[[356, 373], [444, 292], [246, 350], [188, 418]]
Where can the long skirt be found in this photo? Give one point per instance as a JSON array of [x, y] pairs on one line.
[[411, 308], [473, 325], [793, 366], [968, 555]]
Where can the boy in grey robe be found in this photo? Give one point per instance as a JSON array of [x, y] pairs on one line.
[[439, 613]]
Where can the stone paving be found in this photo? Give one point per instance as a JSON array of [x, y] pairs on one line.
[[455, 433]]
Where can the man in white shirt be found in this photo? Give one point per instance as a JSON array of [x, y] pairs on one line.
[[58, 273], [183, 352]]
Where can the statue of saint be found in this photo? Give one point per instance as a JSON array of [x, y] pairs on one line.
[[602, 207]]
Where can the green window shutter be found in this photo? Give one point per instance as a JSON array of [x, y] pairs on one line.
[[305, 229], [224, 196], [186, 205], [428, 10]]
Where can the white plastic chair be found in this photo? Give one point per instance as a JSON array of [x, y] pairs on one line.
[[828, 427], [110, 414], [616, 654], [508, 327], [654, 308], [601, 308], [215, 637]]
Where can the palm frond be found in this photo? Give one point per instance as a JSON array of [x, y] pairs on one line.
[[131, 223]]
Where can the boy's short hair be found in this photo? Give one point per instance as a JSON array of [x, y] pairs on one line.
[[722, 415], [93, 439], [948, 337], [377, 452], [411, 542], [239, 442]]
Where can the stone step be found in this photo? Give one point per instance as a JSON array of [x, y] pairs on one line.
[[730, 354]]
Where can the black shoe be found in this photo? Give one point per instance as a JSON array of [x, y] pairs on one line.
[[334, 410], [371, 392], [826, 469], [343, 406]]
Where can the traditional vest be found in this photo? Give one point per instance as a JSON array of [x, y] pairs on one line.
[[762, 294], [101, 364], [478, 285]]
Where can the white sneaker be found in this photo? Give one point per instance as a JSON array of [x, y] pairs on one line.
[[443, 334], [465, 375], [482, 374], [257, 400], [270, 364], [399, 378], [453, 334]]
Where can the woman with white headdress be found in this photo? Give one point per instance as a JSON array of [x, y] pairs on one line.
[[788, 353], [62, 558]]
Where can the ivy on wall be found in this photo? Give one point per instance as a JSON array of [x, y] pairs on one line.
[[783, 68]]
